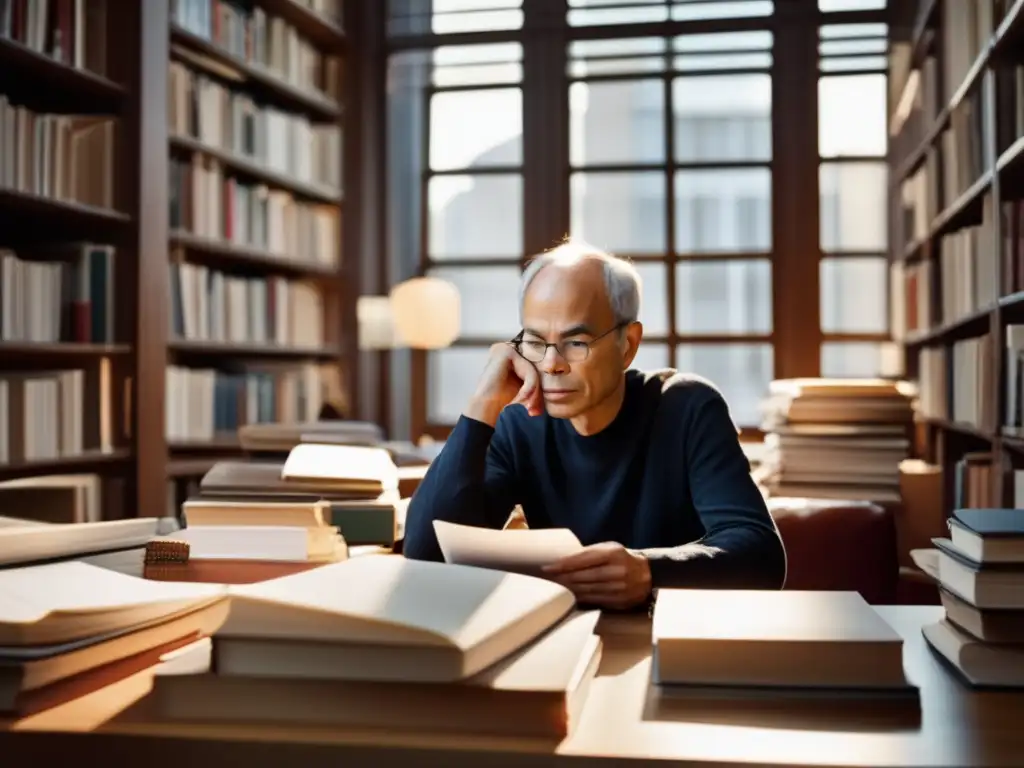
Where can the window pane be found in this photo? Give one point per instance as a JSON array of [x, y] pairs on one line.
[[452, 376], [853, 199], [490, 299], [851, 115], [854, 295], [620, 211], [654, 301], [478, 64], [651, 357], [852, 360], [723, 51], [854, 64], [617, 122], [473, 129], [457, 16], [853, 47], [475, 216], [690, 10], [846, 31], [723, 117], [615, 57], [631, 12], [741, 372], [724, 297], [850, 5], [724, 210], [411, 17], [627, 46]]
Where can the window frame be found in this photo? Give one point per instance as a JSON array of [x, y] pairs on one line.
[[795, 254], [850, 337]]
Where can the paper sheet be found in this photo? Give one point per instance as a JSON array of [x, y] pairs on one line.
[[519, 550]]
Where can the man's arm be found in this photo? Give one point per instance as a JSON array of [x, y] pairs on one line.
[[470, 482], [742, 548]]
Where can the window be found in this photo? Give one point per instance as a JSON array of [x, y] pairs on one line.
[[584, 13], [468, 105], [666, 152], [853, 190], [723, 202], [406, 17], [706, 137]]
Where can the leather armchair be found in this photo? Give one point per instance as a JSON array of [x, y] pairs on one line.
[[839, 545]]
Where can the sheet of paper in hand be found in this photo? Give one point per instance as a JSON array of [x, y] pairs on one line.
[[516, 550]]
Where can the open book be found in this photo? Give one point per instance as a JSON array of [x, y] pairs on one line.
[[537, 691], [61, 603], [371, 618], [386, 618]]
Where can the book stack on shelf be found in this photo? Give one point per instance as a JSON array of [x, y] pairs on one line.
[[64, 340], [957, 165], [258, 296]]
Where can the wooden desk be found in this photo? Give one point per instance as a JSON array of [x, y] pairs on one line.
[[622, 723]]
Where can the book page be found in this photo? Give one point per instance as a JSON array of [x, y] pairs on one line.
[[310, 461], [31, 594], [520, 550]]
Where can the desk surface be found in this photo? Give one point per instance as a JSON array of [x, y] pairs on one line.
[[624, 721]]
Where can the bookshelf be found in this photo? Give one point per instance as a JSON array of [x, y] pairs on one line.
[[258, 292], [957, 245], [171, 256]]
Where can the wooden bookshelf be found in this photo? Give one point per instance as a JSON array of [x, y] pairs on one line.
[[69, 227], [258, 293], [957, 248], [122, 204]]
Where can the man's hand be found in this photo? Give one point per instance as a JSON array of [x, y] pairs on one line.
[[508, 378], [606, 575]]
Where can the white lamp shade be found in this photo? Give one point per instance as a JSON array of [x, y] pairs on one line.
[[426, 312], [376, 323]]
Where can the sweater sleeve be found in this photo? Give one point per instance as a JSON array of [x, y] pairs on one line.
[[472, 482], [741, 548]]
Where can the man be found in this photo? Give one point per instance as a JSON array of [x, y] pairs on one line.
[[645, 469]]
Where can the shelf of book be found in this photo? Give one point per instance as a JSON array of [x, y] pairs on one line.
[[68, 236], [257, 284], [957, 138], [147, 303]]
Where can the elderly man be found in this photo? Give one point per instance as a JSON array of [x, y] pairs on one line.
[[645, 469]]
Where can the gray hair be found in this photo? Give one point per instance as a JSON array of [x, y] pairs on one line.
[[621, 280]]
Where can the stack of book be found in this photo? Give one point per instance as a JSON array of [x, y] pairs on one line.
[[263, 519], [836, 439], [381, 641], [980, 571], [70, 628]]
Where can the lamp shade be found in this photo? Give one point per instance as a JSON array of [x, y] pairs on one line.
[[376, 323], [426, 312]]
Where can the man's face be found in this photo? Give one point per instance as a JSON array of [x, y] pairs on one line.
[[566, 304]]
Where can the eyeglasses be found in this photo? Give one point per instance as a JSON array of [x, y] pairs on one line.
[[572, 350]]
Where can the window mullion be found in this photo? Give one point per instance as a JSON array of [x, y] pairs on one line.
[[545, 125], [795, 215]]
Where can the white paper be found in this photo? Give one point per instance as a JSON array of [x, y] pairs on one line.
[[519, 549]]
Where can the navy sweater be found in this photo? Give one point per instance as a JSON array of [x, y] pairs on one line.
[[667, 477]]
